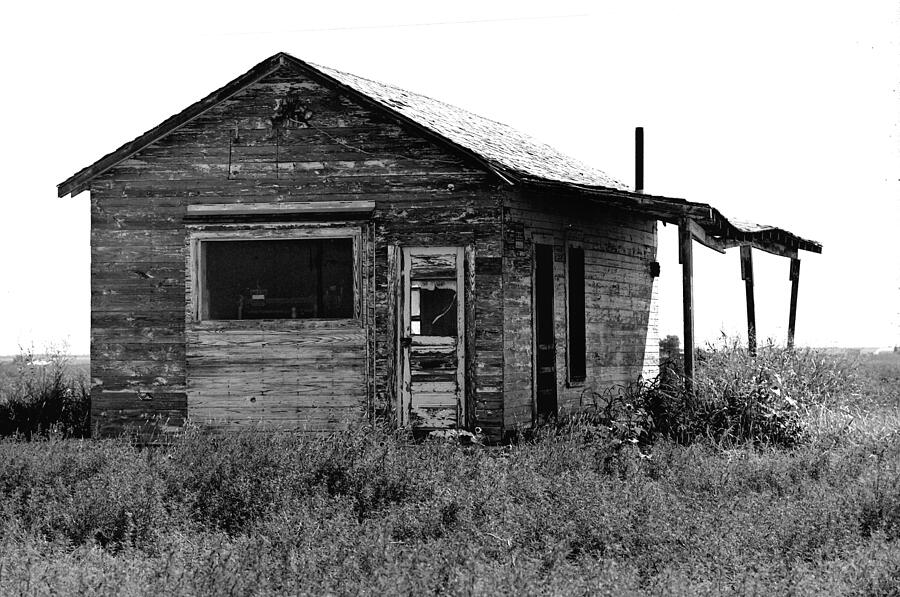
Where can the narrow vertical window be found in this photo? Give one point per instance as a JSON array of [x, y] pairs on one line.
[[577, 340]]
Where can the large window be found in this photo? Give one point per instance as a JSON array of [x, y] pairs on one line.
[[577, 340], [277, 279]]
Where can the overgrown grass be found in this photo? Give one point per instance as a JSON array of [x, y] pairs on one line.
[[576, 509], [370, 512], [880, 380]]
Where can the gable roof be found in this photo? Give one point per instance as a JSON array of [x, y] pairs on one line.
[[510, 154], [501, 148]]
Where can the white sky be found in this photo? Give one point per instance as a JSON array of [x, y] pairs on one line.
[[776, 112]]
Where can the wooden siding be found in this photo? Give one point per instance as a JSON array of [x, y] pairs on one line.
[[620, 302], [290, 375], [146, 363]]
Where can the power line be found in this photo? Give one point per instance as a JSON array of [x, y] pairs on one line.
[[413, 25]]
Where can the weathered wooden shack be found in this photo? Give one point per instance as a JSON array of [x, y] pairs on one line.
[[307, 249]]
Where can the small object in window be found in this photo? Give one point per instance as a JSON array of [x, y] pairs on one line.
[[258, 296]]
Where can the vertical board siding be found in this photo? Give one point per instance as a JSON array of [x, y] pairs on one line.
[[235, 153], [620, 298]]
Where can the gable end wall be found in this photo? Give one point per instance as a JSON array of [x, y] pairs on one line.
[[145, 360]]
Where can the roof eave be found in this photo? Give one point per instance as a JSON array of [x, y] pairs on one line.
[[81, 180]]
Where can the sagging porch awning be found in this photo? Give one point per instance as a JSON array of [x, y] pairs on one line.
[[709, 227]]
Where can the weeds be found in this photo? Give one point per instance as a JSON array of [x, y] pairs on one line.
[[370, 512]]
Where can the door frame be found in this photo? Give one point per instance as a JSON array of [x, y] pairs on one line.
[[404, 374]]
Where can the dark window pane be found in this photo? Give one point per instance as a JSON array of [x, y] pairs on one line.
[[577, 340], [543, 294], [278, 279], [433, 313], [545, 359]]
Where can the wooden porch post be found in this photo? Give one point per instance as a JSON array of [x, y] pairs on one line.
[[747, 276], [795, 283], [686, 258]]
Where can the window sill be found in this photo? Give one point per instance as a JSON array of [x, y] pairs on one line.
[[575, 383]]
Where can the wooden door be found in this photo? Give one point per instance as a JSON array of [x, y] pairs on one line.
[[545, 339], [432, 350]]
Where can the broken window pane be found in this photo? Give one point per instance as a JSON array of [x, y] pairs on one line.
[[436, 308], [278, 279]]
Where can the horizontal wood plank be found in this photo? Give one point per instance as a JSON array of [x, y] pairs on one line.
[[292, 207]]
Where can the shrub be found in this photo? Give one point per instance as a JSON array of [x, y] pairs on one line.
[[739, 397], [671, 360], [41, 394]]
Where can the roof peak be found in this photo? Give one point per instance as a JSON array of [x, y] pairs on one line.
[[498, 147]]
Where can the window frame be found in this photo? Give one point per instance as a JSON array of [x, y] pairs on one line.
[[197, 266], [575, 380]]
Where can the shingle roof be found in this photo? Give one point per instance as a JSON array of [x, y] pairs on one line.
[[496, 142]]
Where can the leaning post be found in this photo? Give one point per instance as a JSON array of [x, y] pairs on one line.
[[686, 258], [747, 276], [792, 316]]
